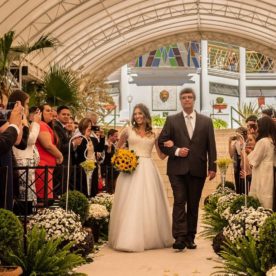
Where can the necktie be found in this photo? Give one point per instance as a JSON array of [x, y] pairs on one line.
[[189, 126]]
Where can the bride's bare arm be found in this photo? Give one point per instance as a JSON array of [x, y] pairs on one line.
[[123, 138], [168, 144]]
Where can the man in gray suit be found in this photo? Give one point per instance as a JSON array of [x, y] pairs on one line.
[[194, 141]]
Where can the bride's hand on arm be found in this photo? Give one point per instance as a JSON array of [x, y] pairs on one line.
[[169, 144], [161, 155], [123, 138]]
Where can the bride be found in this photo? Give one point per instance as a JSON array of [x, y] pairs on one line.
[[140, 218]]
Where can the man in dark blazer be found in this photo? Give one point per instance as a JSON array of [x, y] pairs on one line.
[[8, 138], [194, 141]]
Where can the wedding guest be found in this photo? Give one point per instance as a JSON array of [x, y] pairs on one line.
[[8, 138], [235, 148], [261, 161], [84, 151], [49, 154], [108, 172]]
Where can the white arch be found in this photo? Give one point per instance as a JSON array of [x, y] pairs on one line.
[[98, 36]]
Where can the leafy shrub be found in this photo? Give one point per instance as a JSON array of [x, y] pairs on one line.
[[237, 203], [104, 199], [87, 246], [158, 121], [213, 223], [225, 201], [219, 123], [227, 184], [267, 243], [77, 202], [218, 241], [247, 221], [59, 223], [46, 257], [241, 258], [11, 234], [98, 220], [219, 100]]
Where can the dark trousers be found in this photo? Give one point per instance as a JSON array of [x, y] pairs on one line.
[[187, 191]]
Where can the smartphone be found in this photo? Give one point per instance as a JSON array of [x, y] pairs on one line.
[[5, 113], [10, 105], [95, 128]]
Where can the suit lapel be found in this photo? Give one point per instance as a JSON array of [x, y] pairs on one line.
[[197, 124]]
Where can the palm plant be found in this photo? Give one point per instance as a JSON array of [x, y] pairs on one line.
[[16, 54], [61, 86], [45, 257], [245, 110], [241, 258]]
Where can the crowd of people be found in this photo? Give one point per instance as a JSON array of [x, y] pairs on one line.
[[34, 152], [35, 155], [253, 149]]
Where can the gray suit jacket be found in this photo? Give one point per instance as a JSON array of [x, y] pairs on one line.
[[202, 145]]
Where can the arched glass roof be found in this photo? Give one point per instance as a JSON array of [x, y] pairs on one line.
[[98, 36]]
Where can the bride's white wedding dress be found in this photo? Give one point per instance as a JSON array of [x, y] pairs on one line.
[[140, 217]]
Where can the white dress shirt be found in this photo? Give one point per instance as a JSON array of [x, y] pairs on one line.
[[192, 120]]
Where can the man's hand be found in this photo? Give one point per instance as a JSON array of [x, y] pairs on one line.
[[16, 114], [183, 152], [211, 175]]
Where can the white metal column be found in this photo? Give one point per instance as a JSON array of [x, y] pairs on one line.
[[205, 98], [242, 77]]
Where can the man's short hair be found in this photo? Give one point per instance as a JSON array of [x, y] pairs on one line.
[[268, 111], [111, 132], [33, 109], [187, 90], [253, 118], [61, 108]]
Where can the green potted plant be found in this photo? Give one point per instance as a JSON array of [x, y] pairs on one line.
[[11, 234], [77, 202], [219, 104]]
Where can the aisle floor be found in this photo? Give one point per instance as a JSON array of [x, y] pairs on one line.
[[160, 262]]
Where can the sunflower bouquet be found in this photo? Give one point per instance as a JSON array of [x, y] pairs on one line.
[[125, 160]]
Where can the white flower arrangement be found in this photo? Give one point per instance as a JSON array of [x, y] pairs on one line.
[[104, 199], [247, 220], [59, 223], [271, 271], [98, 212], [224, 202]]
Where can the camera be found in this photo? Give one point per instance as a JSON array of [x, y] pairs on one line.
[[95, 128], [5, 113]]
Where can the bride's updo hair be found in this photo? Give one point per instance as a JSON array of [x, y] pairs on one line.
[[147, 117]]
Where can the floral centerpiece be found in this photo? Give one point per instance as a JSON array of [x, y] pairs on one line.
[[125, 160], [248, 220], [104, 199], [59, 223], [223, 164], [88, 165]]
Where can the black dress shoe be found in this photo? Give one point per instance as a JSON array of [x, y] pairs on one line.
[[190, 244], [180, 245]]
